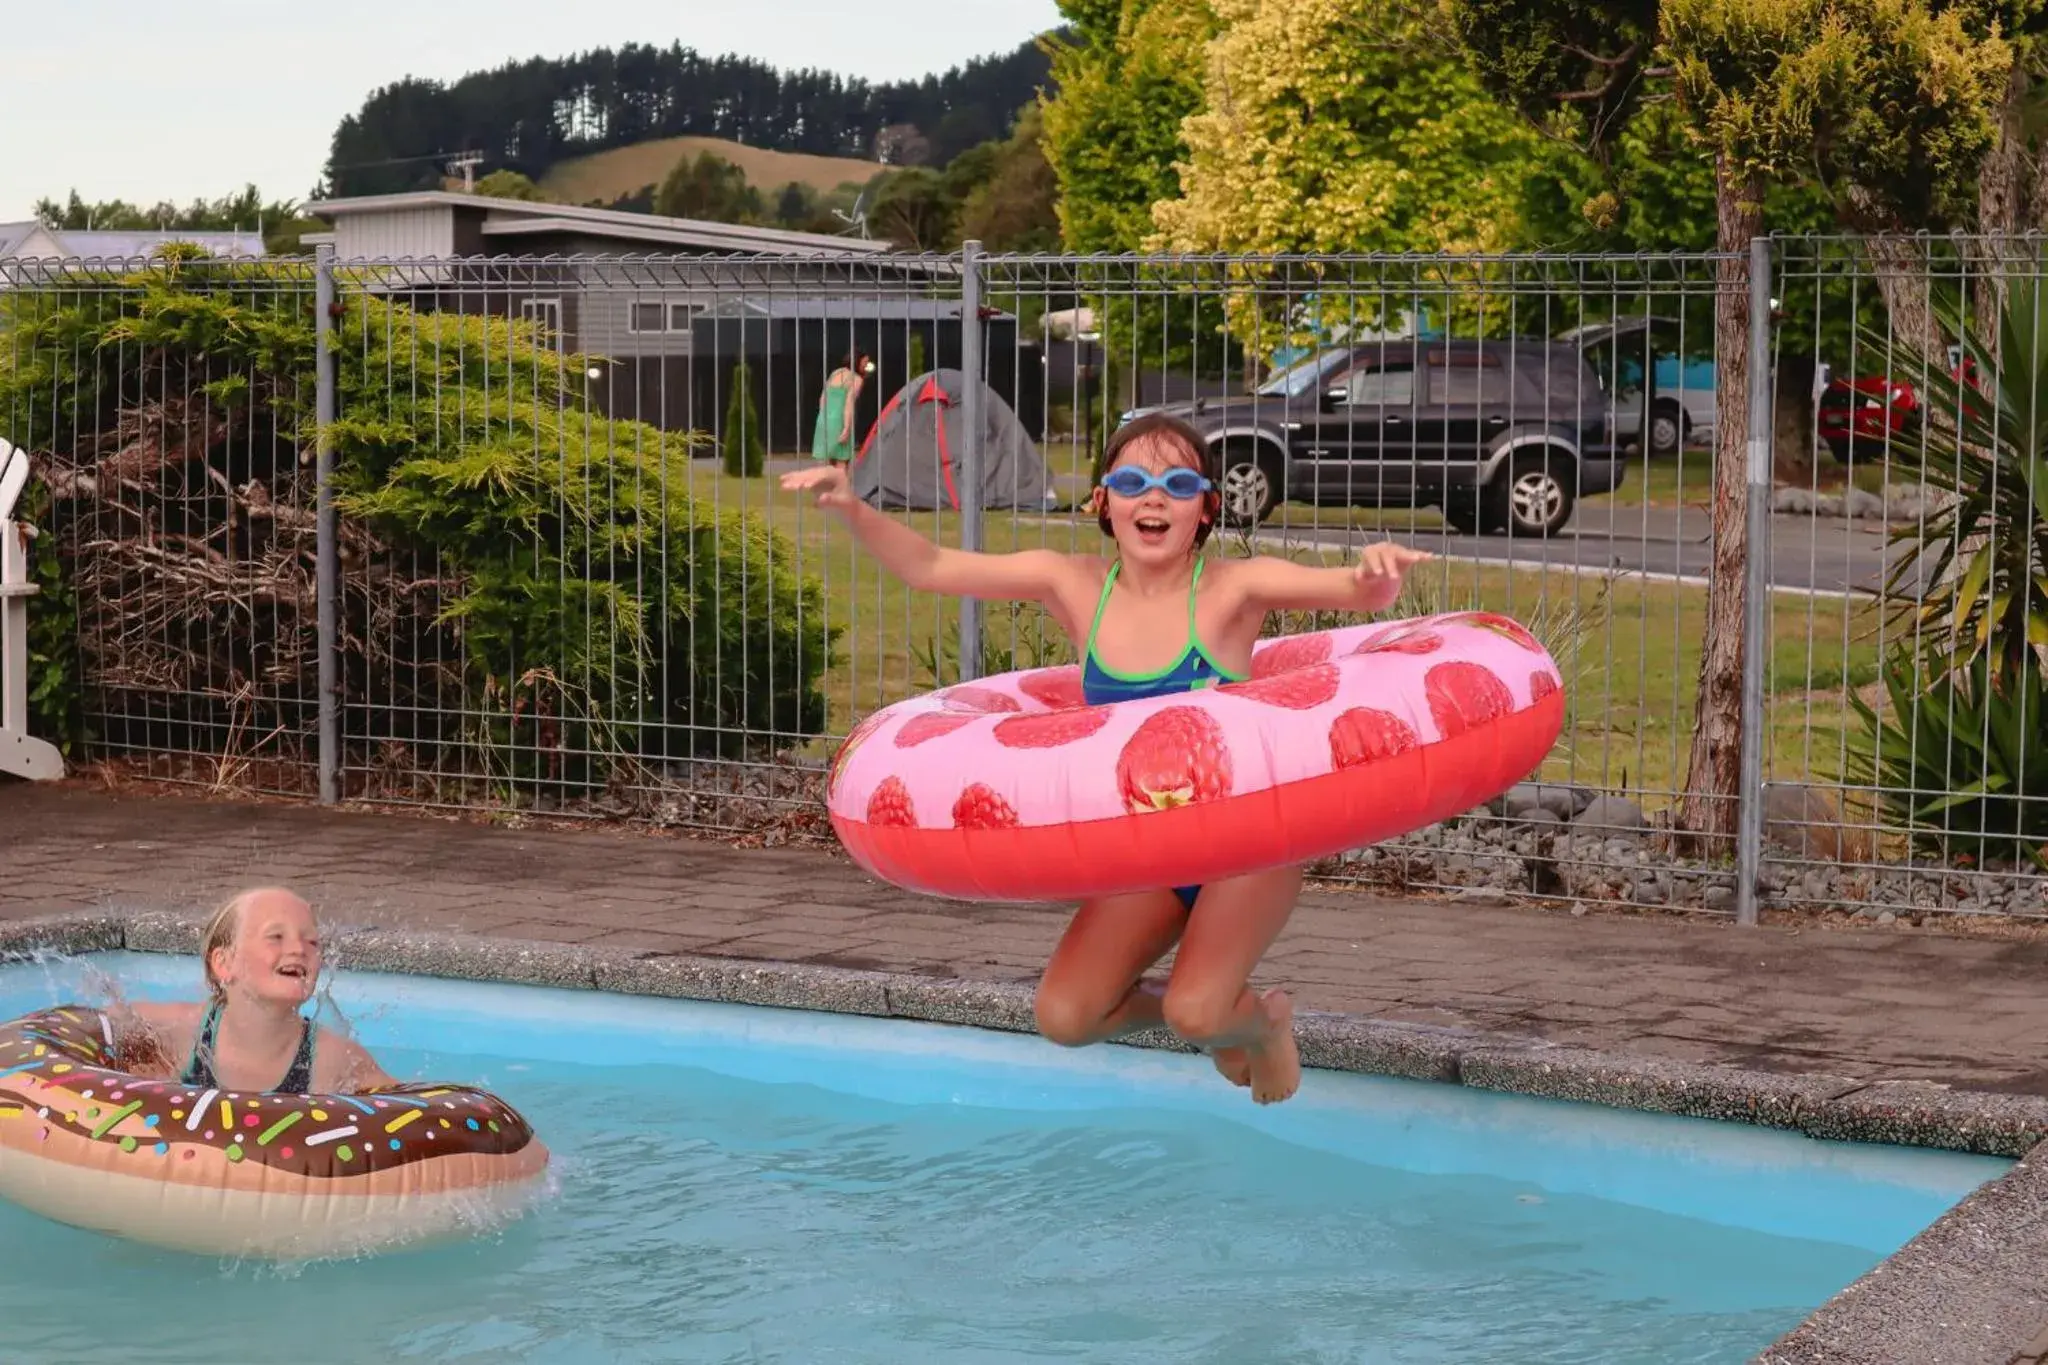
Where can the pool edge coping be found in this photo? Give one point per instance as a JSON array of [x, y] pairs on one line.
[[1927, 1302]]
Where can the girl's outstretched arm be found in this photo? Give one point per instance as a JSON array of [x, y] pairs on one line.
[[1025, 576], [1274, 584]]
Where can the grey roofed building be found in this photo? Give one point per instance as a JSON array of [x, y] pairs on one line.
[[428, 224], [622, 289]]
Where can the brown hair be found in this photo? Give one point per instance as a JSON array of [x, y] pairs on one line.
[[1159, 426]]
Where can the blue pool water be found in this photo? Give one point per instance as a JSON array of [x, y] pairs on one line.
[[755, 1185]]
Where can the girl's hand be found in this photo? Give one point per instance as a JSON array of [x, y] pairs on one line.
[[1381, 568], [828, 481]]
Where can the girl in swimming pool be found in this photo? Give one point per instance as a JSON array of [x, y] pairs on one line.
[[262, 960], [1156, 618]]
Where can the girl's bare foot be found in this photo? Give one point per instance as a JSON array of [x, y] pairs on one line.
[[1234, 1064], [1275, 1060]]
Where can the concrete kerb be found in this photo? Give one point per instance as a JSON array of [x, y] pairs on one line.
[[1968, 1289]]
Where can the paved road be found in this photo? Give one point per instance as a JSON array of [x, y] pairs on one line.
[[1808, 553], [1817, 554]]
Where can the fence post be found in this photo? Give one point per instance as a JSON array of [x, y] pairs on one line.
[[971, 365], [327, 550], [1756, 576]]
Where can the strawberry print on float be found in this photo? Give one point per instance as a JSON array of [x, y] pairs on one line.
[[1012, 757]]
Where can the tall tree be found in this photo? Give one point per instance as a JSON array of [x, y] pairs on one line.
[[242, 212], [1014, 208], [1126, 77], [913, 209], [1887, 103], [711, 188], [281, 221], [528, 115]]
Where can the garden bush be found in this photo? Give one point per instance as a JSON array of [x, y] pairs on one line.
[[524, 580], [741, 450]]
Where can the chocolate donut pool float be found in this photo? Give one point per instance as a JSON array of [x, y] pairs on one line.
[[234, 1174]]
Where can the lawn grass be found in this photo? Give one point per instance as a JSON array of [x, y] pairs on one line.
[[1630, 649]]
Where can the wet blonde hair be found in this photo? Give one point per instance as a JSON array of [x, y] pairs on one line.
[[221, 932]]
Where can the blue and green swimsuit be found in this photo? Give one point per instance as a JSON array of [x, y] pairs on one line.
[[1195, 669]]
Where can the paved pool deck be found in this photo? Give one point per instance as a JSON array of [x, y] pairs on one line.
[[1884, 1034], [1888, 1004]]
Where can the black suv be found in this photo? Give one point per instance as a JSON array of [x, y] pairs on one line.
[[1503, 436]]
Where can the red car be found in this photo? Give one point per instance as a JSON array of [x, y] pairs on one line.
[[1861, 414], [1864, 413]]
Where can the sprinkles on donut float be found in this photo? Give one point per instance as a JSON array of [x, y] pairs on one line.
[[85, 1141]]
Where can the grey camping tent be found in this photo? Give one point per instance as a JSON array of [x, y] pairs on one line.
[[912, 456]]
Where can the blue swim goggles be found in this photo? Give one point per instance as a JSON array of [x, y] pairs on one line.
[[1179, 483]]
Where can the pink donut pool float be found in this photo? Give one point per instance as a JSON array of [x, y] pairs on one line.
[[1010, 788]]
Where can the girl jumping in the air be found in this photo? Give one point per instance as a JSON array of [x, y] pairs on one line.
[[1156, 618]]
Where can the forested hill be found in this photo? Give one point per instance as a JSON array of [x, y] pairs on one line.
[[526, 116]]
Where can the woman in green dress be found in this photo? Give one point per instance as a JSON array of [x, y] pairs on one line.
[[832, 438]]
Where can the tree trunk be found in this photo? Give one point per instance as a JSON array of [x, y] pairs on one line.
[[2001, 187], [1792, 422], [2000, 184], [1707, 810], [2037, 195], [1902, 272]]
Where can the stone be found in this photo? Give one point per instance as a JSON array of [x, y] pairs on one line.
[[1805, 821], [1561, 799], [1887, 917], [1611, 813], [1860, 504], [1719, 897], [1794, 502]]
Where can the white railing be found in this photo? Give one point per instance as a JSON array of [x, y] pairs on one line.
[[20, 753]]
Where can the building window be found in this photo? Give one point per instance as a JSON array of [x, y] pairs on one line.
[[547, 315], [661, 316]]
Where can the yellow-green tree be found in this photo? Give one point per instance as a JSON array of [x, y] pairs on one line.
[[1889, 104], [1343, 125], [1129, 75]]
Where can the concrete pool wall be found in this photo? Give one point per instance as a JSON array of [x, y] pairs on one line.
[[1971, 1289]]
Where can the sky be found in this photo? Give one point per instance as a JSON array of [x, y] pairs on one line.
[[145, 101]]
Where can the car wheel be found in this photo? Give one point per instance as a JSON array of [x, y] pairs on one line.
[[1667, 428], [1532, 497], [1253, 484]]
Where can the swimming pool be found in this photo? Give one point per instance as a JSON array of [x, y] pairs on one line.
[[741, 1184]]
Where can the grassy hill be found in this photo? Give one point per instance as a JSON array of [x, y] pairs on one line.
[[605, 176]]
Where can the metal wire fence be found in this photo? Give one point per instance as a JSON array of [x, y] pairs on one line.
[[558, 575]]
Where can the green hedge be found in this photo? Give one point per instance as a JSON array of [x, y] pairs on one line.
[[509, 554]]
